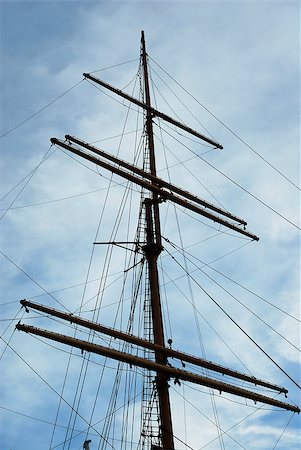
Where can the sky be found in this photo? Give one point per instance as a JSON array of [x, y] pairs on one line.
[[238, 63]]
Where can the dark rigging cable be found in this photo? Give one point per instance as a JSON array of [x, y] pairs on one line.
[[40, 110], [236, 184], [32, 279], [236, 282], [235, 298], [53, 390], [114, 65], [232, 320], [32, 173], [229, 129]]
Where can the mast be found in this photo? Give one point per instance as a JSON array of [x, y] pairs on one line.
[[152, 250], [159, 190]]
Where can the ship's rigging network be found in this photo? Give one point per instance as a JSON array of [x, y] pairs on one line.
[[117, 428]]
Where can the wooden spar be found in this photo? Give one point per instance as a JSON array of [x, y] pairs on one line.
[[152, 110], [167, 370], [165, 195], [151, 346], [158, 181]]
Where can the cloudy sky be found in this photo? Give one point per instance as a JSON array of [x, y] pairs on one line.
[[226, 68]]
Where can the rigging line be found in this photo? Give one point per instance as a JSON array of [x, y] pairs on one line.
[[182, 442], [167, 306], [184, 414], [189, 138], [116, 136], [182, 103], [24, 178], [44, 158], [70, 354], [188, 170], [169, 179], [11, 321], [115, 65], [208, 323], [100, 291], [229, 129], [171, 280], [84, 363], [283, 431], [216, 259], [52, 388], [113, 98], [120, 273], [64, 289], [113, 183], [185, 160], [121, 208], [130, 195], [81, 379], [60, 399], [14, 318], [11, 336], [164, 99], [33, 418], [77, 400], [98, 389], [221, 232], [236, 424], [40, 110], [241, 329], [210, 420], [235, 298], [129, 83], [58, 349], [34, 281], [96, 423], [240, 285], [76, 160], [56, 200], [235, 401], [214, 408], [236, 184]]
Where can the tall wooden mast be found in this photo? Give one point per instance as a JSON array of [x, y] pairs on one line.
[[152, 250], [159, 190]]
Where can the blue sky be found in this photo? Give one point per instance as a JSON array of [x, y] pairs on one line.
[[239, 59]]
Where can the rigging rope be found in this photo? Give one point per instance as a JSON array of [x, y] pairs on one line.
[[210, 420], [228, 128], [40, 110], [237, 184], [214, 408], [237, 325], [24, 178], [243, 287], [32, 173], [114, 65], [183, 104], [189, 171], [283, 431], [32, 279], [180, 249], [51, 387]]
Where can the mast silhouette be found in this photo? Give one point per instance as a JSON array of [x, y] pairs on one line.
[[152, 250], [159, 190]]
